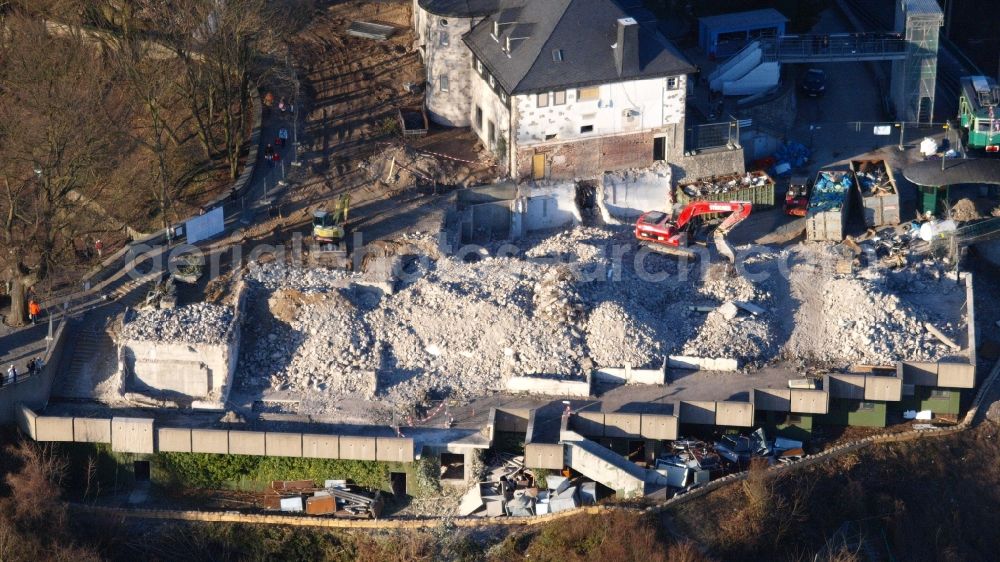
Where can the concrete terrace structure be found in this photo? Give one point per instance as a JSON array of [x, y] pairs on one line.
[[556, 89]]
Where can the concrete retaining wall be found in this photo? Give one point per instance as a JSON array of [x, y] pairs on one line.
[[640, 192], [132, 435], [942, 374], [548, 387], [34, 391], [550, 206], [543, 455], [628, 375], [703, 363]]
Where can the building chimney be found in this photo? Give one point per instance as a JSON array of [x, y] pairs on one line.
[[627, 46]]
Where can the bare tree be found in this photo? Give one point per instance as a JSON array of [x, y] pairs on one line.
[[59, 133]]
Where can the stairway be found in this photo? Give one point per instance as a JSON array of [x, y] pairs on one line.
[[603, 465]]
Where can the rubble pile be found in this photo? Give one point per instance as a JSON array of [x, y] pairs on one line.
[[325, 347], [865, 324], [194, 323], [555, 298]]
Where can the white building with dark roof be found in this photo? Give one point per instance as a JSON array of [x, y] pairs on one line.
[[567, 88]]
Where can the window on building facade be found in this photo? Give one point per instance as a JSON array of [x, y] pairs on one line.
[[479, 66], [479, 118], [542, 100], [444, 39], [492, 82], [491, 133], [866, 406], [551, 137], [559, 98], [587, 129], [940, 394], [793, 418], [588, 94], [672, 83], [443, 83], [503, 97]]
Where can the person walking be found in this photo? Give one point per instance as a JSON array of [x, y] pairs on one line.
[[31, 367], [12, 374], [99, 246], [33, 310]]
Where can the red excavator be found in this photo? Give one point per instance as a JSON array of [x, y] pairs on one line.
[[659, 233]]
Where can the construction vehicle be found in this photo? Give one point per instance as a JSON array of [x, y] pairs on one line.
[[797, 196], [658, 232], [328, 227], [979, 113]]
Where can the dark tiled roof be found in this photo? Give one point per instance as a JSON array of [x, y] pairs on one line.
[[583, 31], [459, 8]]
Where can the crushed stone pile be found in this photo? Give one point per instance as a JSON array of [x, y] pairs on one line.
[[194, 323]]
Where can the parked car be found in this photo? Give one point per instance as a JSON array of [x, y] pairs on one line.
[[814, 82]]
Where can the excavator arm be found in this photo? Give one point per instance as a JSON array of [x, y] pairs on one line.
[[740, 212]]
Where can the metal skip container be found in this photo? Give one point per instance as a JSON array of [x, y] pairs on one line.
[[879, 195], [829, 205], [755, 187]]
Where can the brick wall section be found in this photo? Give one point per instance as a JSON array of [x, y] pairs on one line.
[[589, 157]]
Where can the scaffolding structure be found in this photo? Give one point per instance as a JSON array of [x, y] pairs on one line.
[[914, 78]]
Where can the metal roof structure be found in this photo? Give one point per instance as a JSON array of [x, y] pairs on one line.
[[752, 19], [956, 171], [555, 44]]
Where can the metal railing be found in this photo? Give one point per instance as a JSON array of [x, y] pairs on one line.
[[834, 47], [725, 134]]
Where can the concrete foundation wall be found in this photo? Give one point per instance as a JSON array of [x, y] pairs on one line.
[[956, 375], [702, 413], [91, 430], [733, 414], [394, 449], [214, 441], [771, 399], [628, 375], [551, 206], [247, 443], [51, 428], [884, 389], [548, 387], [173, 440], [590, 424], [33, 392], [515, 420], [543, 455], [808, 401], [847, 387], [283, 444], [357, 448], [320, 446], [655, 426], [644, 191], [132, 435], [619, 424], [703, 363], [190, 370], [27, 420]]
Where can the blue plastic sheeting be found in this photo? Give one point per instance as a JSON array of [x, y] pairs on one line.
[[830, 192], [792, 153]]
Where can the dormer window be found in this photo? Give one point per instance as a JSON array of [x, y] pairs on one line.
[[557, 55], [496, 31]]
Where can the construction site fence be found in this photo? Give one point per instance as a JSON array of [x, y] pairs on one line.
[[868, 136]]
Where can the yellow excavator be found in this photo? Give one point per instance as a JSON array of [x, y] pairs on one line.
[[328, 227]]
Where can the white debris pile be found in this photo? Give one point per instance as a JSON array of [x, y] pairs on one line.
[[325, 347], [750, 339], [615, 337], [862, 323], [277, 275], [194, 323]]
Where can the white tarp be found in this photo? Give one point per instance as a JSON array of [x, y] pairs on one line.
[[205, 226]]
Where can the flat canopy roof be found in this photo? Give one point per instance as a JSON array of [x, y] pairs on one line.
[[744, 20], [956, 171]]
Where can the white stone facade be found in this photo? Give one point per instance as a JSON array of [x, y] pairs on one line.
[[447, 61]]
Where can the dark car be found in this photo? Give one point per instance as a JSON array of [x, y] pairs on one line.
[[814, 82]]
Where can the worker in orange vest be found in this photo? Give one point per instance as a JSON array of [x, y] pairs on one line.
[[33, 310]]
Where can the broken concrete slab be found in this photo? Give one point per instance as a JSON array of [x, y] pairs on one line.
[[728, 310], [941, 337], [750, 307]]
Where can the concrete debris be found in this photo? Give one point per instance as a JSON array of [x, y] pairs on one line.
[[194, 323], [461, 328], [940, 336]]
